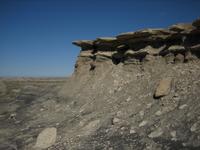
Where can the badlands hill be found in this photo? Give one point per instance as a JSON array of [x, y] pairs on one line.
[[136, 91]]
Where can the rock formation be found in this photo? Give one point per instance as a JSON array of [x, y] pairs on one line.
[[140, 88], [178, 43], [136, 91]]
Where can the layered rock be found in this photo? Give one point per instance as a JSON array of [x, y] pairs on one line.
[[138, 90], [177, 42]]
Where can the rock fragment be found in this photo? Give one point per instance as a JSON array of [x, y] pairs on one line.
[[143, 123], [163, 87], [158, 132], [46, 138]]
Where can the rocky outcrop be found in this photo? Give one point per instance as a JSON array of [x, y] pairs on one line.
[[137, 90], [174, 43]]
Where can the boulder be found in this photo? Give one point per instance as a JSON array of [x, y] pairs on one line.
[[163, 87], [46, 138]]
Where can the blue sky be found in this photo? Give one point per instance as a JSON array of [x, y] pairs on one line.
[[36, 35]]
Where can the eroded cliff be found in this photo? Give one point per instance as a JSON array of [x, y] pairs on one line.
[[138, 90]]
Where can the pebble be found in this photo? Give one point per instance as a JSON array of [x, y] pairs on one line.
[[193, 127], [143, 123], [173, 134], [158, 113], [132, 131], [183, 106], [116, 120], [156, 133]]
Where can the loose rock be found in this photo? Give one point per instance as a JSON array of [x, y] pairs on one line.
[[163, 88], [46, 138]]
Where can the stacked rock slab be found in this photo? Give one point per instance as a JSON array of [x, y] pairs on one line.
[[178, 43]]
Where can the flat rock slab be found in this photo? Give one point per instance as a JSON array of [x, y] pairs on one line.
[[163, 87], [46, 138]]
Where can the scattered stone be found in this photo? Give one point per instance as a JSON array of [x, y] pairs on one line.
[[143, 123], [194, 127], [149, 105], [128, 99], [132, 131], [156, 133], [173, 134], [158, 113], [116, 121], [183, 106], [13, 116], [90, 127], [163, 87], [46, 138]]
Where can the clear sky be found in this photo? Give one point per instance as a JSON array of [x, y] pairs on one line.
[[36, 35]]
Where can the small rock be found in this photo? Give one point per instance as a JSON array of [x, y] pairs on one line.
[[156, 133], [163, 88], [128, 99], [123, 128], [149, 105], [132, 130], [13, 116], [158, 113], [46, 138], [173, 134], [143, 123], [116, 120], [42, 109], [194, 127], [183, 106]]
